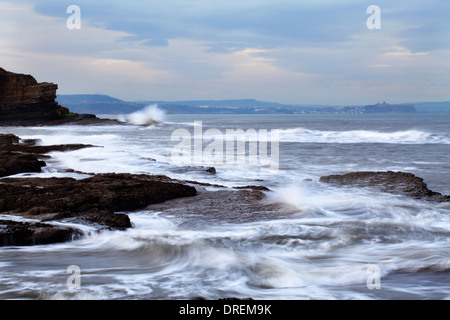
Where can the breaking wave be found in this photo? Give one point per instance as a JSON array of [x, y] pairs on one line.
[[147, 116], [361, 136]]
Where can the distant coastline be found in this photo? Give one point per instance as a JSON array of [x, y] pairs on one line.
[[104, 104]]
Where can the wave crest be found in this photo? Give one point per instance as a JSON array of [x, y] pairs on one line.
[[361, 136], [150, 115]]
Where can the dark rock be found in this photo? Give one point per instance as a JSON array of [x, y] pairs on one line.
[[38, 211], [205, 184], [22, 97], [211, 170], [8, 139], [30, 147], [14, 233], [21, 157], [94, 199], [14, 163], [402, 183], [117, 221], [261, 188], [232, 206], [87, 116], [199, 169], [25, 102]]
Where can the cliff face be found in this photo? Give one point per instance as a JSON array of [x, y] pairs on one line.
[[23, 98]]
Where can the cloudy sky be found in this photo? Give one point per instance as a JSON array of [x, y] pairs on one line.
[[288, 51]]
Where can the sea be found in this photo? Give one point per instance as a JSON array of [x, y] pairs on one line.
[[336, 243]]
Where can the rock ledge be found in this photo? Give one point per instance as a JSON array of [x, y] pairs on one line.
[[402, 183]]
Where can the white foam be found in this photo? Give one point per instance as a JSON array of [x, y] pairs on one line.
[[148, 116], [361, 136]]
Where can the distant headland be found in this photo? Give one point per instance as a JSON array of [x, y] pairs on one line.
[[104, 104]]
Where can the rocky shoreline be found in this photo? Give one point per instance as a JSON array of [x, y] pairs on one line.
[[18, 156], [30, 206], [77, 119], [94, 200]]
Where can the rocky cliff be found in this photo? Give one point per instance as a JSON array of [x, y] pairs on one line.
[[23, 98], [24, 101]]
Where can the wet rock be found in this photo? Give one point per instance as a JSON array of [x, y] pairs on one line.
[[402, 183], [17, 233], [199, 169], [30, 146], [233, 206], [92, 200], [116, 221], [13, 163], [211, 170], [95, 199], [205, 184], [261, 188], [21, 157], [37, 211]]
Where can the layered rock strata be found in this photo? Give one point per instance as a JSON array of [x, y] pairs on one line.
[[25, 102], [23, 98], [402, 183]]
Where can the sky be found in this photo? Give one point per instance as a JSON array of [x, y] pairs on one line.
[[287, 51]]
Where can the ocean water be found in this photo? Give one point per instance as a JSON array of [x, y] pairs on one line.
[[336, 243]]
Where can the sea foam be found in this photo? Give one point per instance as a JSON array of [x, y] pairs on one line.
[[150, 115], [361, 136]]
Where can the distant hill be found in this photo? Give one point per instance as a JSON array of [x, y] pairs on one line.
[[240, 106], [97, 104], [103, 104], [442, 107], [389, 108], [241, 103]]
